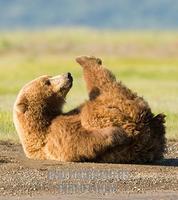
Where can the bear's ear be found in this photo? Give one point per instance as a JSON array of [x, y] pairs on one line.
[[22, 107]]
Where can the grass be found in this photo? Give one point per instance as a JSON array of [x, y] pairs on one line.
[[145, 63]]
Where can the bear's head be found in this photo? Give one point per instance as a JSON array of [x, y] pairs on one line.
[[45, 94]]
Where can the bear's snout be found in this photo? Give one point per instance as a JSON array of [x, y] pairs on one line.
[[68, 79], [62, 83], [69, 76]]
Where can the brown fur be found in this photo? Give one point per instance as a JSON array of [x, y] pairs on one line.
[[113, 104], [48, 133], [114, 125]]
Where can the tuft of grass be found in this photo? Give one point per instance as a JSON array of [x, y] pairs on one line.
[[7, 129]]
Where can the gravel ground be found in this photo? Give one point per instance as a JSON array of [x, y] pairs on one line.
[[21, 178]]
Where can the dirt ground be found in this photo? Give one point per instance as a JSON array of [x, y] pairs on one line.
[[21, 178]]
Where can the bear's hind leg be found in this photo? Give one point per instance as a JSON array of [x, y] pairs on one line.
[[98, 78]]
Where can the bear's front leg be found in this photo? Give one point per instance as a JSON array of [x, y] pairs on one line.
[[98, 78]]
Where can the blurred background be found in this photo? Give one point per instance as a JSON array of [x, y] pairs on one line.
[[136, 39]]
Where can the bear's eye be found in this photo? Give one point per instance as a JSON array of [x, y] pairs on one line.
[[47, 82]]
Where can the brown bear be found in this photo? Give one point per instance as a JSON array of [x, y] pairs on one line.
[[114, 125]]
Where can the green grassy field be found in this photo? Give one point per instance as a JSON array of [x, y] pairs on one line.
[[146, 62]]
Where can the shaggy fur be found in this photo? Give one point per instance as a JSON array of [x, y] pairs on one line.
[[114, 125], [47, 133], [113, 104]]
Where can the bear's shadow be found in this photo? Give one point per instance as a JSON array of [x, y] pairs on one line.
[[172, 162]]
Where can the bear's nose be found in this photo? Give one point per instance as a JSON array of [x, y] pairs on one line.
[[69, 76]]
